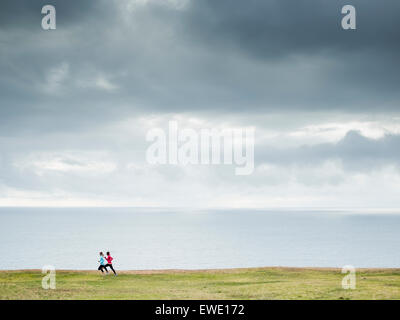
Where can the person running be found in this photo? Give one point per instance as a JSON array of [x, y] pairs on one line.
[[109, 262], [102, 263]]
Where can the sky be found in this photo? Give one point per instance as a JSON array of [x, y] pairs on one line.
[[76, 102]]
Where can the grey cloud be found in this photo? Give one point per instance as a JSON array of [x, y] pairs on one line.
[[356, 152], [277, 28], [348, 70], [220, 56]]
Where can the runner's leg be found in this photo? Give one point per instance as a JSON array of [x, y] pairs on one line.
[[110, 265]]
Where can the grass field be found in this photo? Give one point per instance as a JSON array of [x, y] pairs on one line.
[[259, 283]]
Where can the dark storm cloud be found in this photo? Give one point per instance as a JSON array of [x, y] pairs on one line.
[[211, 56], [348, 70], [277, 28]]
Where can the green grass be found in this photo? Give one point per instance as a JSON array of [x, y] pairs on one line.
[[259, 283]]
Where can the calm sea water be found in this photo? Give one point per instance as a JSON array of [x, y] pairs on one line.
[[163, 239]]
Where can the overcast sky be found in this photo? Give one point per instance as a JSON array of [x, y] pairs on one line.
[[76, 102]]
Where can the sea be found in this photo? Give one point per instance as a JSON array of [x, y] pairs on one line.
[[156, 238]]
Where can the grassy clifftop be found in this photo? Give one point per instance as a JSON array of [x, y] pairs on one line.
[[258, 283]]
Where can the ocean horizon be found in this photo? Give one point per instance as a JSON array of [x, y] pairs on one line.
[[154, 238]]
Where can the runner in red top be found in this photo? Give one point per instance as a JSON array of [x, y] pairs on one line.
[[109, 262], [109, 259]]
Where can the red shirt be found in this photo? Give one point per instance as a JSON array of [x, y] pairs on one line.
[[109, 259]]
